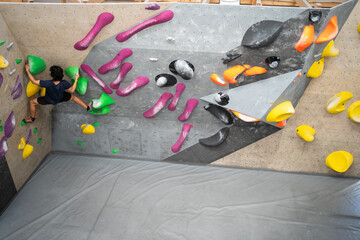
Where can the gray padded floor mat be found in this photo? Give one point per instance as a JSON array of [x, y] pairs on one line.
[[78, 197]]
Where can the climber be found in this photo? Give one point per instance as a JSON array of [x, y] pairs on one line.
[[55, 91]]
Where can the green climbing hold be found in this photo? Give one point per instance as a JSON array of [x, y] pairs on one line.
[[103, 101], [1, 128], [22, 123], [116, 150], [18, 60], [81, 86], [79, 143], [2, 42], [39, 140], [95, 124], [0, 120], [37, 65], [72, 71], [101, 111], [35, 130]]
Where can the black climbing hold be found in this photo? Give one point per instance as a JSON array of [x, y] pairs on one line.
[[230, 57], [262, 34], [273, 61], [165, 80], [314, 16], [222, 98], [183, 68], [220, 113], [216, 139]]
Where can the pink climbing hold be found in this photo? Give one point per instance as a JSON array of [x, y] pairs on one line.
[[127, 52], [184, 132], [179, 89], [165, 97], [136, 83], [87, 69], [160, 18], [124, 69], [190, 106], [103, 20]]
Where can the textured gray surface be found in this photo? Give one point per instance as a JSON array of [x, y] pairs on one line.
[[72, 197]]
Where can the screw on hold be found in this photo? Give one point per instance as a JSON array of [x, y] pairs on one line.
[[8, 47], [12, 72]]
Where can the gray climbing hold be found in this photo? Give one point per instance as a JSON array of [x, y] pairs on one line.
[[183, 68]]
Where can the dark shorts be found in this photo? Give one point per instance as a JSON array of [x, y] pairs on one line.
[[42, 100]]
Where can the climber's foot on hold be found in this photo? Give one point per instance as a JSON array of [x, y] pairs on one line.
[[29, 120], [90, 106]]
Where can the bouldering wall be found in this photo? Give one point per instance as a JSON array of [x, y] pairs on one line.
[[15, 170]]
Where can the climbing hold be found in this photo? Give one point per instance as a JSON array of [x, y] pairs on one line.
[[165, 80], [216, 139], [164, 98], [18, 60], [9, 125], [3, 62], [28, 149], [220, 113], [9, 46], [222, 98], [306, 132], [72, 71], [87, 69], [28, 137], [22, 144], [179, 89], [80, 143], [330, 50], [273, 61], [314, 16], [358, 28], [124, 53], [261, 34], [255, 71], [316, 69], [116, 150], [39, 141], [124, 69], [183, 68], [1, 128], [22, 123], [103, 19], [35, 130], [101, 111], [244, 117], [7, 85], [230, 57], [231, 73], [170, 39], [184, 132], [329, 32], [216, 79], [160, 18], [306, 39], [36, 64], [12, 72], [3, 147], [17, 90], [281, 112], [353, 112], [2, 42], [32, 89], [336, 104], [87, 129], [281, 124], [339, 161], [95, 124], [152, 6], [189, 108], [136, 83], [1, 79], [153, 59], [42, 91], [81, 86], [103, 101]]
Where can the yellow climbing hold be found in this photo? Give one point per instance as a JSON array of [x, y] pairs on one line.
[[353, 112], [336, 104], [330, 50], [43, 91], [3, 62], [339, 161], [31, 89], [87, 129], [281, 112], [22, 144], [316, 69], [28, 149], [358, 28], [306, 132]]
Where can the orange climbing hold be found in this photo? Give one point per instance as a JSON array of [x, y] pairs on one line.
[[244, 117], [281, 123], [231, 73], [216, 79], [306, 39], [247, 66], [329, 32], [255, 71]]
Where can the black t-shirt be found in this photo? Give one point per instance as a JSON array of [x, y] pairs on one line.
[[54, 93]]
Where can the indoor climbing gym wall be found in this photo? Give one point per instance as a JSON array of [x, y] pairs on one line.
[[22, 147]]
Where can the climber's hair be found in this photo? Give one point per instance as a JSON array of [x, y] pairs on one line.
[[56, 73]]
